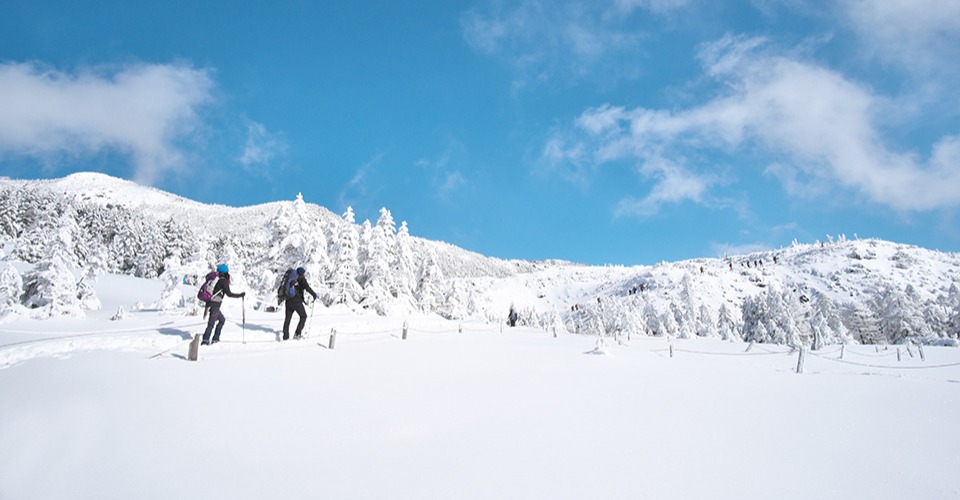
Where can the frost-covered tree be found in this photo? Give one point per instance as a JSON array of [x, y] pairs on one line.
[[344, 286], [827, 325], [375, 276], [11, 288], [863, 323], [429, 292], [727, 326], [402, 267], [87, 292], [706, 326], [171, 298], [51, 288], [901, 317]]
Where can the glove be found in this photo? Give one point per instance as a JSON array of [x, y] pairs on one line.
[[243, 294]]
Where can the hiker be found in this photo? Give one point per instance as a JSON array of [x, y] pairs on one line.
[[512, 317], [216, 300], [295, 303]]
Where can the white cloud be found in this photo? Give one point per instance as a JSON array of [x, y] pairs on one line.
[[139, 110], [819, 128], [262, 147], [921, 35], [674, 184], [547, 40]]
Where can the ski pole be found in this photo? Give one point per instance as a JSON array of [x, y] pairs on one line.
[[243, 303], [310, 322]]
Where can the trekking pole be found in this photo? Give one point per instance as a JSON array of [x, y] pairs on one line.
[[310, 322], [243, 303]]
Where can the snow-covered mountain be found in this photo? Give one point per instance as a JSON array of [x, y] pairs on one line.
[[839, 290]]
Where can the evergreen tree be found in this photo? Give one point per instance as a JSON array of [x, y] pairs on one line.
[[429, 280], [727, 326], [344, 288], [402, 265], [376, 277], [11, 288], [51, 288]]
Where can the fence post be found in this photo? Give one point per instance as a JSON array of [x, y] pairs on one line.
[[671, 350], [800, 360], [554, 331], [898, 353], [749, 346], [460, 330], [333, 338], [842, 347], [923, 357], [194, 348], [404, 330]]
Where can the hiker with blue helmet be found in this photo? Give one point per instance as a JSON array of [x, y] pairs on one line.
[[295, 304], [221, 289]]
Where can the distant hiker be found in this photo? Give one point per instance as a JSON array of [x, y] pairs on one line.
[[221, 288], [512, 317], [295, 304]]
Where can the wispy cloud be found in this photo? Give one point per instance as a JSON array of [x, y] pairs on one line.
[[555, 40], [919, 35], [446, 179], [818, 130], [140, 110], [262, 148]]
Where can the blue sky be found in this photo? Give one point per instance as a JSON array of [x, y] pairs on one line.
[[621, 131]]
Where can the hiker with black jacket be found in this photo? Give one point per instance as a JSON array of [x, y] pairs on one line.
[[221, 289], [295, 303]]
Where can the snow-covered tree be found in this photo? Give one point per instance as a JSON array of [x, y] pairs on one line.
[[376, 278], [402, 266], [11, 288], [727, 327], [344, 286], [171, 298], [51, 288], [429, 292]]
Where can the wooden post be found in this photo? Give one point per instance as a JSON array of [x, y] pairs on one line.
[[404, 330], [749, 346], [671, 350], [194, 348], [333, 338], [460, 329], [554, 331], [898, 353], [842, 347], [923, 356], [800, 360]]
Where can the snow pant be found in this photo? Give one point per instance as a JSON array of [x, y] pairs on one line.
[[216, 317], [294, 304]]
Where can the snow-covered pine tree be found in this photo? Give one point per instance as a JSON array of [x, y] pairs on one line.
[[51, 288], [86, 290], [11, 288], [429, 294], [706, 326], [171, 298], [827, 325], [402, 266], [863, 322], [727, 326], [344, 286], [376, 276]]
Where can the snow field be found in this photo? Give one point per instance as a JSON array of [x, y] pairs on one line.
[[478, 414]]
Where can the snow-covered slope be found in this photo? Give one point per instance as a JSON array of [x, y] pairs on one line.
[[822, 292]]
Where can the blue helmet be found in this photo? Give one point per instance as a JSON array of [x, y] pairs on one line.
[[222, 268], [301, 271]]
